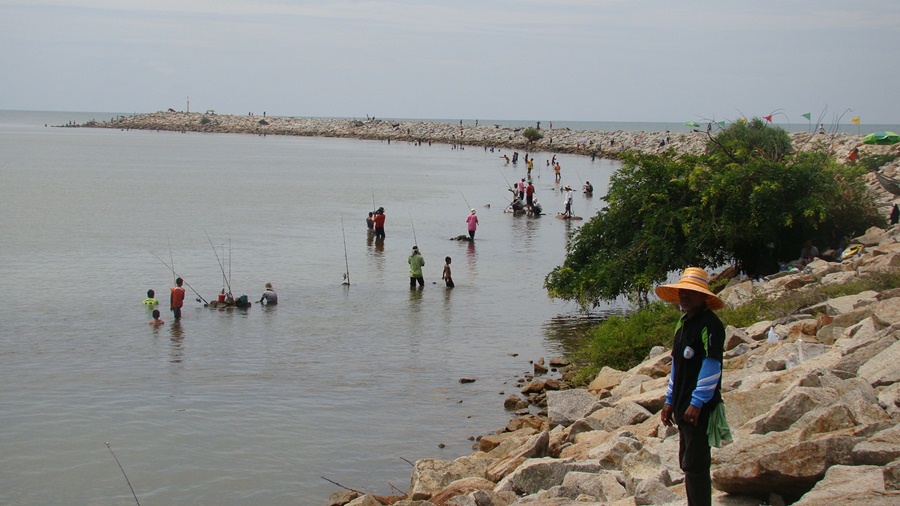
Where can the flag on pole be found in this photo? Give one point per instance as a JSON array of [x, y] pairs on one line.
[[808, 115], [855, 120], [768, 118]]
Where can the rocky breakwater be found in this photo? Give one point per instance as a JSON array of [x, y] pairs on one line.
[[599, 143], [813, 413]]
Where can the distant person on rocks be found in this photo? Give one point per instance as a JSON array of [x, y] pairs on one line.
[[808, 253], [416, 262], [446, 274], [822, 128], [693, 396], [854, 155], [379, 223], [472, 221], [269, 297], [895, 215]]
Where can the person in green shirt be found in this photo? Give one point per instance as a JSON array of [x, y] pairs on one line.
[[416, 261], [151, 300]]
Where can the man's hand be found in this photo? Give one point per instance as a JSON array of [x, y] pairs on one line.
[[692, 415], [665, 415]]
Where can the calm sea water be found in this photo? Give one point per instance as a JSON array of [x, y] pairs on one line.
[[259, 405]]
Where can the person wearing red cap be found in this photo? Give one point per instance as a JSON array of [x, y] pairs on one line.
[[693, 397]]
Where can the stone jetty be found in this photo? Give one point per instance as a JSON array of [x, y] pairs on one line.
[[813, 413], [606, 144]]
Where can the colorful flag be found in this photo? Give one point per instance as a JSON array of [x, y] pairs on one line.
[[808, 115], [768, 118], [855, 120]]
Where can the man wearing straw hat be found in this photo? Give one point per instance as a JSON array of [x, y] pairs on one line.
[[693, 397]]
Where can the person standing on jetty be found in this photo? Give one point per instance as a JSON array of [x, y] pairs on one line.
[[176, 298], [379, 223], [472, 221], [416, 262], [693, 397]]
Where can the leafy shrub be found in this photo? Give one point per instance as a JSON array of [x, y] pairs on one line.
[[204, 120], [532, 134]]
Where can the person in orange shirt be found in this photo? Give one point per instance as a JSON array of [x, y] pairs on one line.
[[176, 298]]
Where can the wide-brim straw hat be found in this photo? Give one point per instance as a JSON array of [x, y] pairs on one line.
[[693, 278]]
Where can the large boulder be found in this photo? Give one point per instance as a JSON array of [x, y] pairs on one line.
[[605, 486], [797, 403], [883, 368], [566, 406], [460, 487], [607, 379], [541, 474], [780, 463], [850, 486], [880, 449], [430, 476]]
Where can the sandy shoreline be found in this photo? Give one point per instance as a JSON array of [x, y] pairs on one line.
[[605, 144]]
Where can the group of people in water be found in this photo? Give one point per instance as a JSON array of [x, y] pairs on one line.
[[176, 301]]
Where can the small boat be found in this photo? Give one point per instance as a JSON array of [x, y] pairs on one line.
[[225, 302]]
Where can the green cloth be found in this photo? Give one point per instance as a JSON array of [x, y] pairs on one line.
[[718, 429], [415, 265]]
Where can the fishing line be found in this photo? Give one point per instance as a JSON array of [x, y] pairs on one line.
[[200, 297], [227, 282], [171, 258], [464, 198], [123, 473]]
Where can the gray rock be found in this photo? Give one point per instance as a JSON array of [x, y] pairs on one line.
[[880, 449], [797, 403], [883, 368], [566, 406], [430, 476], [850, 485], [605, 486], [541, 474]]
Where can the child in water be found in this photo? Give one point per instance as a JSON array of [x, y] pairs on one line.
[[446, 274], [156, 321]]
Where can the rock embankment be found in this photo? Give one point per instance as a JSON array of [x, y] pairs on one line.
[[600, 143], [813, 414]]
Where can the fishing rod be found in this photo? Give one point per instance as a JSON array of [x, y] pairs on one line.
[[171, 258], [415, 241], [200, 297], [227, 282], [509, 186], [346, 260], [464, 198], [123, 473]]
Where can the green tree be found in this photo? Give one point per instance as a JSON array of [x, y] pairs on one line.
[[532, 134], [747, 202]]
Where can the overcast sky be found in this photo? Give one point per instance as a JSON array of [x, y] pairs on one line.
[[569, 60]]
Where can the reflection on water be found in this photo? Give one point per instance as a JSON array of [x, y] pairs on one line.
[[176, 337], [569, 331]]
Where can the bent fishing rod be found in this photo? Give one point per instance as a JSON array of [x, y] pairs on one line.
[[227, 281], [200, 297], [346, 260]]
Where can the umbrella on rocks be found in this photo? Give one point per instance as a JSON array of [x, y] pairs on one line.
[[691, 124], [882, 138]]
